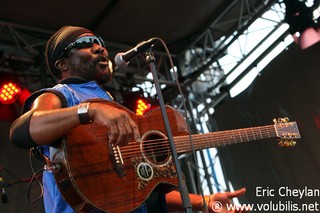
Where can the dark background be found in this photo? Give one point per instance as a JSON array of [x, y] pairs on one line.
[[288, 87]]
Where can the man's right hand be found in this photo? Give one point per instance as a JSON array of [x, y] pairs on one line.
[[121, 128]]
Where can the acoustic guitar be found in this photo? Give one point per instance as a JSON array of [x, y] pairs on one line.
[[91, 174]]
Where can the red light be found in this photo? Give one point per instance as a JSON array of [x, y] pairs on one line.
[[9, 93], [142, 107]]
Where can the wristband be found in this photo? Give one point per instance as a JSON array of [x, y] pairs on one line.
[[83, 113], [205, 203]]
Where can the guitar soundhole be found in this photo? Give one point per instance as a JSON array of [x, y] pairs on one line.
[[156, 147]]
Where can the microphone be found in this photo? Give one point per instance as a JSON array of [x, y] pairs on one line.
[[122, 59], [4, 197]]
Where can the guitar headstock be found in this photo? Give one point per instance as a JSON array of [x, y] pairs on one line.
[[286, 131]]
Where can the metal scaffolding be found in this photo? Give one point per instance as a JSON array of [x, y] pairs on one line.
[[199, 67]]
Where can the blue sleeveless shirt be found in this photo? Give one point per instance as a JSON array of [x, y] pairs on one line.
[[71, 92]]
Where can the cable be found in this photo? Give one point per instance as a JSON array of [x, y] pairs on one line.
[[186, 115], [32, 153]]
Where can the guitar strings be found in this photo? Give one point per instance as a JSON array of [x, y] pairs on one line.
[[219, 140], [159, 147]]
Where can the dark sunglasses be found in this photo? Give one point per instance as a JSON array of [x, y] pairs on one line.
[[84, 42]]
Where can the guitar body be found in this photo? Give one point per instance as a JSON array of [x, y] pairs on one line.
[[92, 174]]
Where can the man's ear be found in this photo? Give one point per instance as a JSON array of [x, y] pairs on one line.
[[61, 65]]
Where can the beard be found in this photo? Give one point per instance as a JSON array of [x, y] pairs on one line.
[[91, 70]]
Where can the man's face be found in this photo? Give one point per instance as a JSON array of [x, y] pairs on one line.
[[91, 63]]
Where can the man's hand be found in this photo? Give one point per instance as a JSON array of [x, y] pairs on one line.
[[121, 128], [218, 202], [215, 203]]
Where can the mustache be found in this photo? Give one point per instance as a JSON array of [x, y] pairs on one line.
[[102, 57]]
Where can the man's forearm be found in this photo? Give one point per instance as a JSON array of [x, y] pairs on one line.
[[47, 126]]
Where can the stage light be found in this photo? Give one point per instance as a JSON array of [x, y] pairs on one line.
[[142, 107], [137, 103], [302, 26], [308, 38], [9, 92], [12, 97]]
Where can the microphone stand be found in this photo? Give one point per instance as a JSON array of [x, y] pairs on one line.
[[182, 186]]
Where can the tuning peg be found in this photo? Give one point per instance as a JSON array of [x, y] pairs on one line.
[[280, 120], [281, 143], [287, 143], [292, 143], [283, 120], [275, 121]]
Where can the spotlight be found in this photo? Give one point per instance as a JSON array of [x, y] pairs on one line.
[[308, 38], [136, 102], [9, 92], [303, 27], [12, 97], [142, 106]]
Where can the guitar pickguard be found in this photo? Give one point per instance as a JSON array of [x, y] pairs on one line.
[[146, 172]]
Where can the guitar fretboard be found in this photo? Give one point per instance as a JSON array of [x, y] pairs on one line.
[[222, 138]]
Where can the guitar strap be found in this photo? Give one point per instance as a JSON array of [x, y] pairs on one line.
[[49, 165], [38, 154]]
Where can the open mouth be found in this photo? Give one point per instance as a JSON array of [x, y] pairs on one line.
[[105, 65]]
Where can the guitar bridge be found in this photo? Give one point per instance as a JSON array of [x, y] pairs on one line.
[[117, 160]]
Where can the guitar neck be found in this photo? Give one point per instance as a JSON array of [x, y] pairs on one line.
[[222, 138]]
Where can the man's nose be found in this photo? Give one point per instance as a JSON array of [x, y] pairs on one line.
[[97, 48]]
